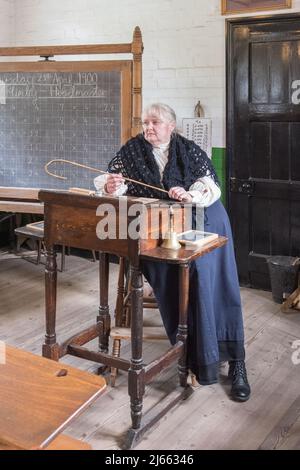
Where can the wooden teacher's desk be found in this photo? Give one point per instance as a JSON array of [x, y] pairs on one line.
[[72, 219]]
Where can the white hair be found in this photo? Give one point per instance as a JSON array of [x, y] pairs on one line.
[[160, 110]]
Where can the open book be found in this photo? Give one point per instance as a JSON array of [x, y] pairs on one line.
[[196, 237]]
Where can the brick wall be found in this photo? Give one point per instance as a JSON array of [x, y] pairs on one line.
[[7, 22], [184, 57]]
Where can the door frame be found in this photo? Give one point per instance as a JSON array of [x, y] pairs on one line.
[[229, 28], [231, 24]]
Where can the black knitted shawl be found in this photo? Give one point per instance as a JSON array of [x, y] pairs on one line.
[[187, 162]]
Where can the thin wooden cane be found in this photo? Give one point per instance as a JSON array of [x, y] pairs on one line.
[[61, 160]]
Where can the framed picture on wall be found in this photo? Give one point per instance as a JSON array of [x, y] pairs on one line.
[[244, 6]]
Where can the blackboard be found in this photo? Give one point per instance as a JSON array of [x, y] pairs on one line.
[[79, 111]]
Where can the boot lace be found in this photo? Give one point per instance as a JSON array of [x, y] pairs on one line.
[[238, 369]]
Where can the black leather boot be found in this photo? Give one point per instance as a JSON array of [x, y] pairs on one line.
[[240, 390]]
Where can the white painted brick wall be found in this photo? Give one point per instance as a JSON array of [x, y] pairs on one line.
[[184, 40], [6, 22]]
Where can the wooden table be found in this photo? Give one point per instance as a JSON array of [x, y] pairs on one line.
[[16, 201], [21, 207], [72, 219], [40, 397], [20, 200]]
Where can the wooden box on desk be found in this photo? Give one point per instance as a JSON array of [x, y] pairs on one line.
[[83, 221]]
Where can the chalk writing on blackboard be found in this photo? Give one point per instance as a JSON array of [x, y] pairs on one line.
[[46, 115]]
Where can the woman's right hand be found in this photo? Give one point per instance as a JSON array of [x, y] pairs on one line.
[[113, 182], [180, 194]]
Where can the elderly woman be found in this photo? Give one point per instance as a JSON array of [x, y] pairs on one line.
[[163, 158]]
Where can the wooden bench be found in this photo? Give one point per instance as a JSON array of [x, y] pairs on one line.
[[35, 231], [39, 398], [28, 232]]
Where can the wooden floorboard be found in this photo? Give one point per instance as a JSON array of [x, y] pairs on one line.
[[285, 435], [208, 419]]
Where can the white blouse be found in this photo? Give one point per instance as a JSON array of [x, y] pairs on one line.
[[204, 191]]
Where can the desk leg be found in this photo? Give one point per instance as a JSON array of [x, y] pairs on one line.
[[104, 316], [136, 373], [119, 312], [50, 347], [183, 314]]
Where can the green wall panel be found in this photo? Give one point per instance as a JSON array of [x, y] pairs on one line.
[[219, 161]]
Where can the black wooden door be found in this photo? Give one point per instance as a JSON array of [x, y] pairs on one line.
[[263, 141]]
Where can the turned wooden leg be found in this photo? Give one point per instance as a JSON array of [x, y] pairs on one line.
[[116, 353], [182, 327], [136, 373], [127, 300], [50, 347], [104, 316], [63, 258], [120, 295], [39, 251]]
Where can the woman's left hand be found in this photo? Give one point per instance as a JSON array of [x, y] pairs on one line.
[[180, 194]]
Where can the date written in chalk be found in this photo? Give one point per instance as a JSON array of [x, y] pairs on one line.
[[153, 459]]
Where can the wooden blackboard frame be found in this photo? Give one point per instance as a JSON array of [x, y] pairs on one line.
[[131, 82]]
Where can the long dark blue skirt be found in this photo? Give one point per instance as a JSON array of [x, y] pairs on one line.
[[215, 323]]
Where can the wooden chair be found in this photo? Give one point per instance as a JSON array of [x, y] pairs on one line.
[[123, 304], [122, 330]]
